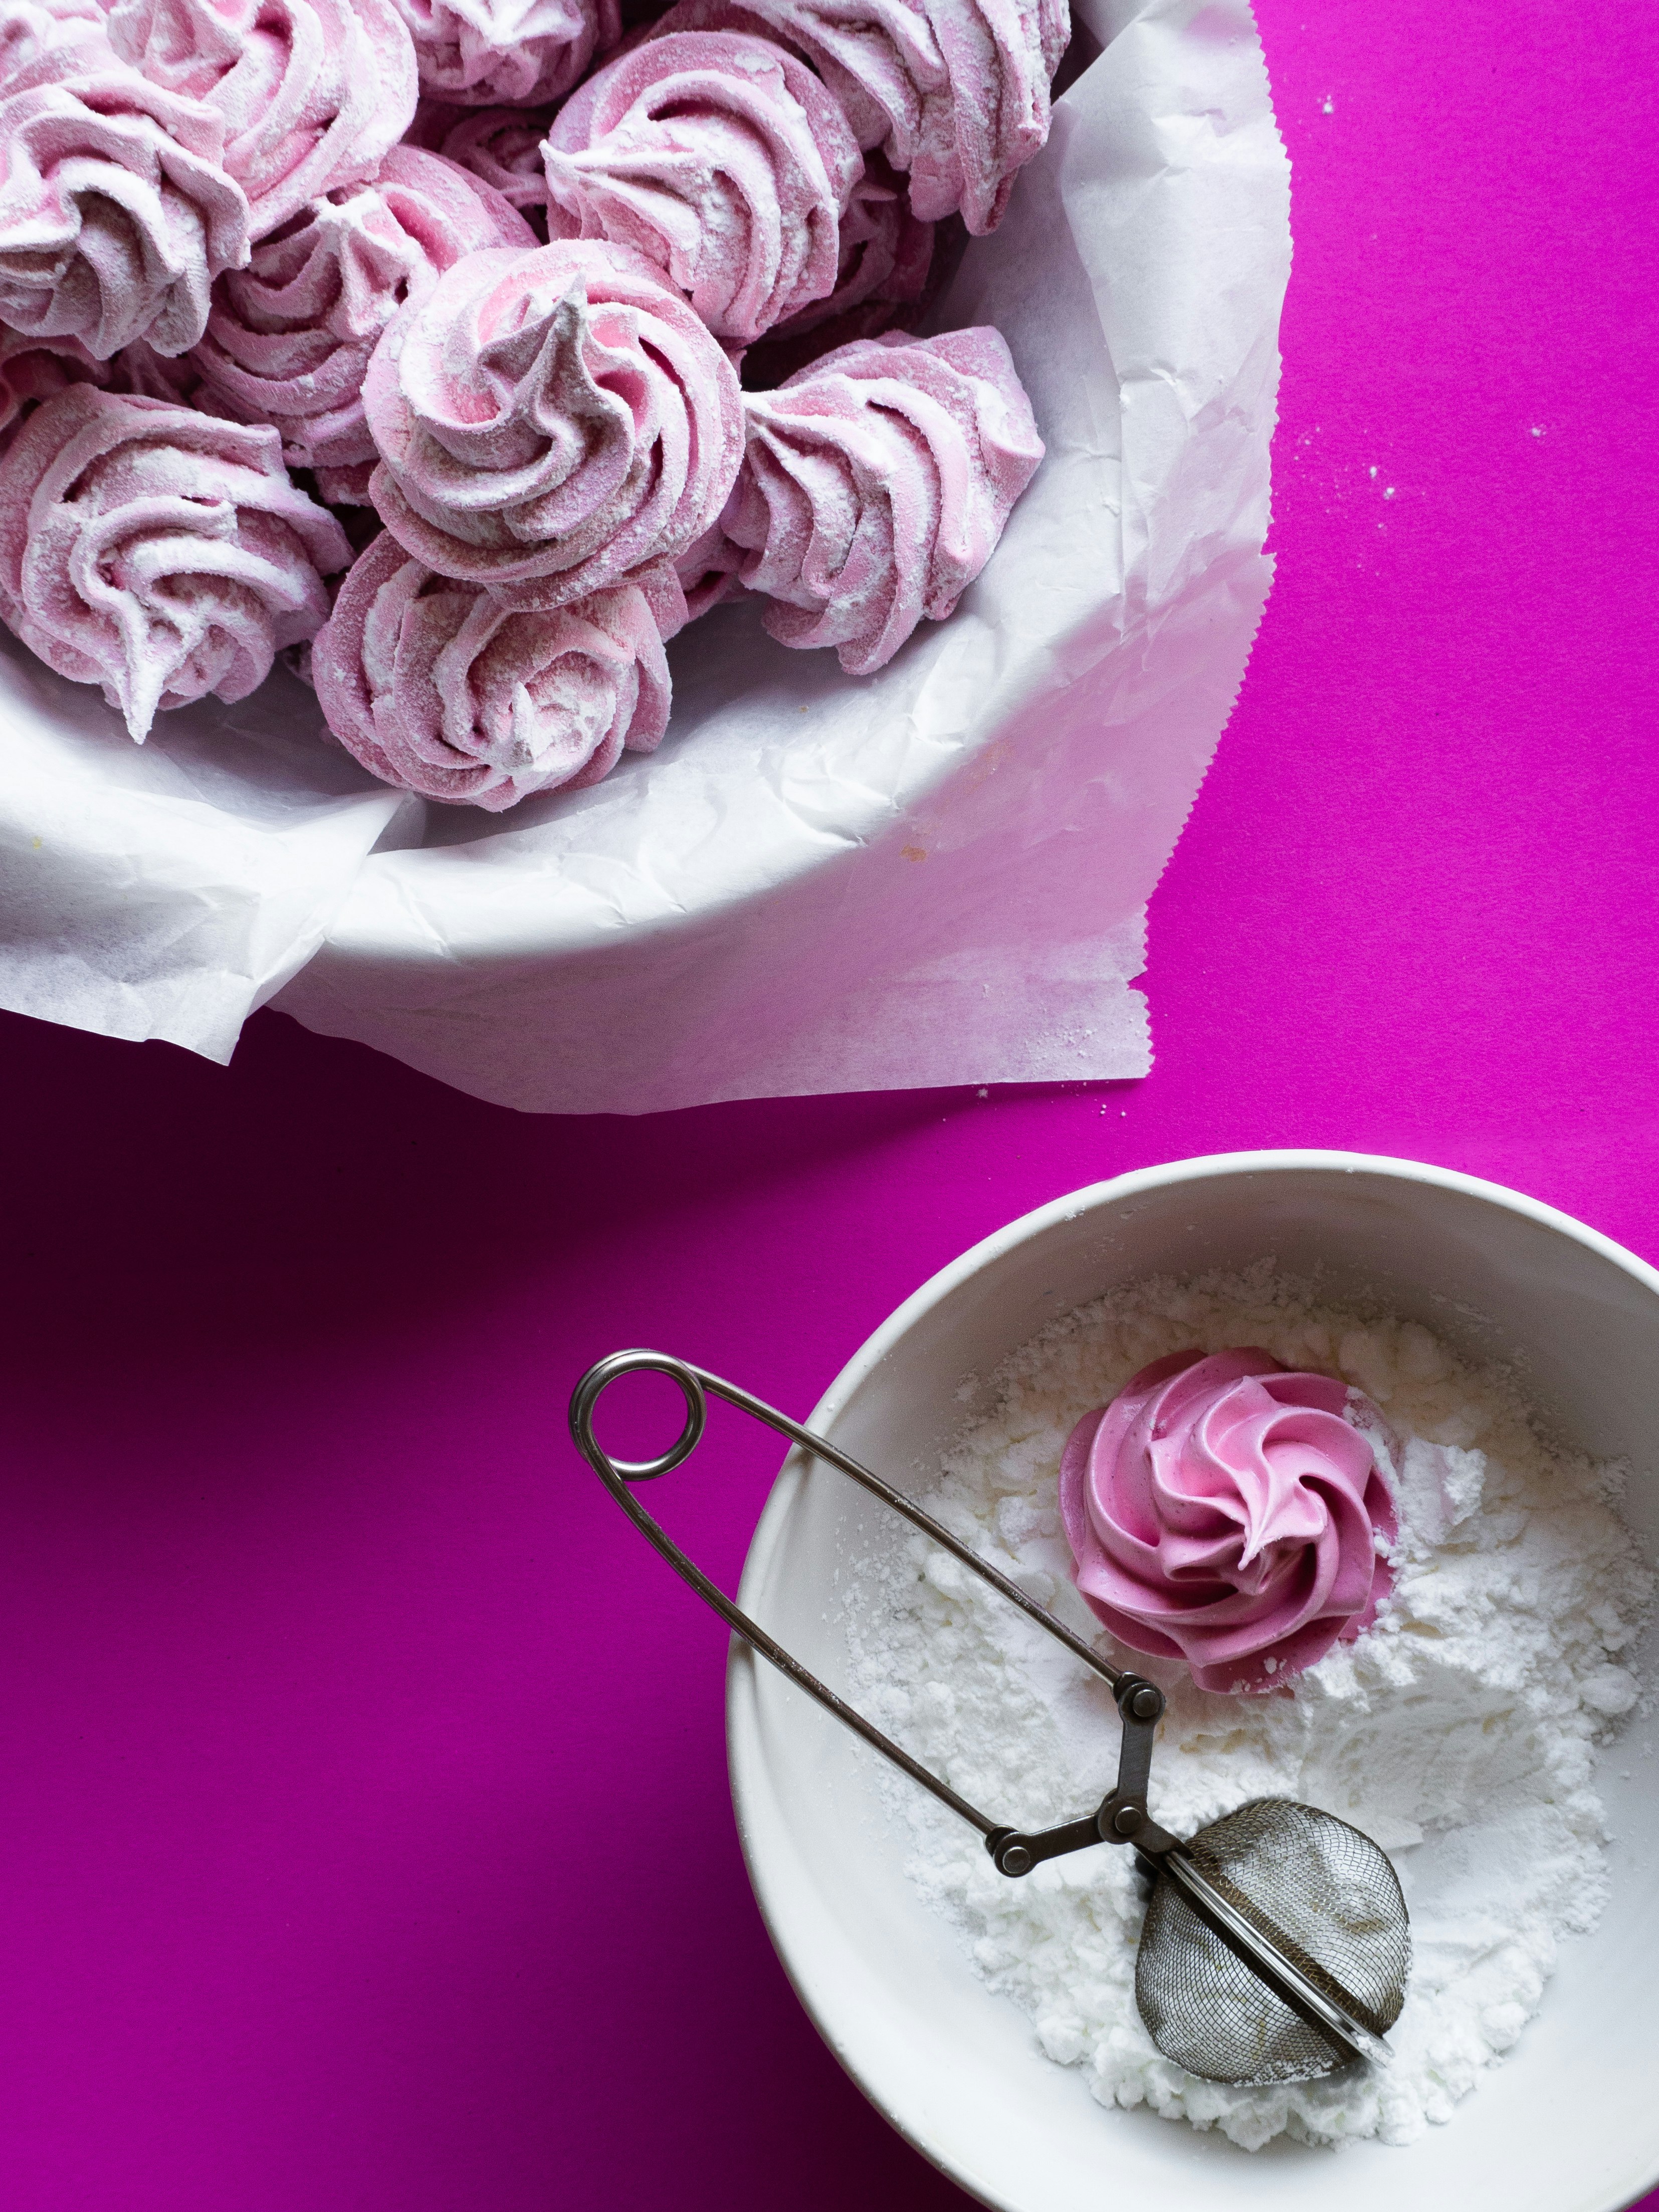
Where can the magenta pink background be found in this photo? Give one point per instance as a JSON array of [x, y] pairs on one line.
[[366, 1843]]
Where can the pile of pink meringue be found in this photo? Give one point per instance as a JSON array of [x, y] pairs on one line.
[[403, 337]]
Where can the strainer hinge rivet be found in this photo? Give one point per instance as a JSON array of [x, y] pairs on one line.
[[1010, 1853]]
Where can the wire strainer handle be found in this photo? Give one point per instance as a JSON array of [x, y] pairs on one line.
[[695, 1384]]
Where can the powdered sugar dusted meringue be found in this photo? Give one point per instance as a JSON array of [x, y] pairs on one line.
[[955, 91], [436, 687], [33, 369], [885, 255], [433, 121], [549, 420], [116, 213], [889, 268], [724, 160], [875, 485], [480, 53], [289, 336], [1224, 1512], [160, 553], [503, 146], [313, 93], [708, 572], [140, 370], [29, 29]]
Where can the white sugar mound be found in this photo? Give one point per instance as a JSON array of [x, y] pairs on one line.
[[1460, 1732]]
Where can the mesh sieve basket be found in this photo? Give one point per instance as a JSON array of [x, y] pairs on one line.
[[1328, 1901]]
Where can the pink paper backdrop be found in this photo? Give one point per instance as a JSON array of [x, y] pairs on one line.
[[367, 1846]]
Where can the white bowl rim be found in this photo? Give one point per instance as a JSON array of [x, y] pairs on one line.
[[742, 1746]]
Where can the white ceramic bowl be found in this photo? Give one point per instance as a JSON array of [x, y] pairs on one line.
[[1570, 2122]]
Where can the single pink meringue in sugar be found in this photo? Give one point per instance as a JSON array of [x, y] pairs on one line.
[[875, 485], [481, 53], [551, 420], [724, 160], [158, 552], [503, 146], [313, 93], [1226, 1512], [437, 688], [954, 91], [116, 213], [289, 336]]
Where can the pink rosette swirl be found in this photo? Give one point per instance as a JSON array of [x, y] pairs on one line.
[[140, 370], [289, 336], [433, 121], [722, 159], [516, 53], [886, 276], [313, 93], [502, 146], [885, 260], [1224, 1512], [437, 688], [116, 213], [29, 29], [875, 485], [954, 91], [708, 572], [160, 553], [34, 369], [549, 420]]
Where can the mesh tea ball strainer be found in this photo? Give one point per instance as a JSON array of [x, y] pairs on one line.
[[1276, 1943]]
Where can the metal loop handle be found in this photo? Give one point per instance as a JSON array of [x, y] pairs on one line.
[[694, 1384], [598, 1380]]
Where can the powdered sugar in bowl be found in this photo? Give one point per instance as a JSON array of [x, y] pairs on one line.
[[952, 2006]]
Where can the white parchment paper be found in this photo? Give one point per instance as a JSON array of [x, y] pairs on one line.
[[938, 874]]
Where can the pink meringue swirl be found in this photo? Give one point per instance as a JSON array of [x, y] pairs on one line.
[[724, 160], [954, 91], [116, 213], [140, 370], [29, 29], [479, 54], [1223, 1510], [313, 93], [707, 571], [549, 420], [160, 553], [875, 485], [437, 688], [289, 336], [503, 146], [33, 369], [885, 260]]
